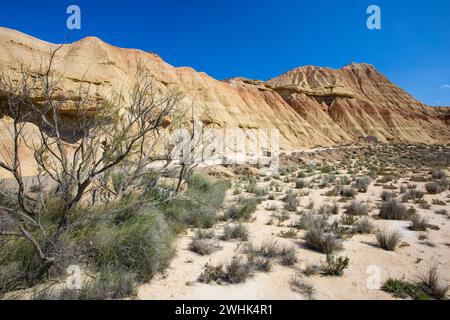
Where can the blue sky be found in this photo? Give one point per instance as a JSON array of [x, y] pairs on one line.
[[262, 39]]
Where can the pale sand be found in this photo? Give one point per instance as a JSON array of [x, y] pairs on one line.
[[180, 280]]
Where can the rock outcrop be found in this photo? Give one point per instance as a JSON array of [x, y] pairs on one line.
[[309, 106]]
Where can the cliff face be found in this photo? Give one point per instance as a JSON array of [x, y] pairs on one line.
[[310, 105]]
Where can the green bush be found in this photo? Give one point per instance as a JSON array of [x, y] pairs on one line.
[[243, 210], [388, 240], [335, 265]]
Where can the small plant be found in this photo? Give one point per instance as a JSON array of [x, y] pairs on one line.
[[243, 210], [357, 208], [212, 273], [438, 202], [311, 269], [348, 220], [403, 290], [298, 285], [238, 231], [317, 239], [205, 234], [388, 240], [418, 223], [291, 201], [202, 247], [335, 265], [300, 184], [348, 192], [438, 174], [362, 184], [289, 234], [287, 257], [387, 196], [433, 284], [238, 270], [262, 264], [392, 210], [433, 188], [364, 226]]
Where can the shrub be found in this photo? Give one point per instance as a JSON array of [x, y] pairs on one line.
[[243, 210], [235, 232], [344, 180], [317, 239], [291, 201], [433, 284], [348, 220], [392, 210], [205, 234], [362, 184], [309, 220], [418, 223], [262, 264], [298, 285], [357, 208], [300, 184], [364, 226], [438, 174], [433, 188], [348, 192], [387, 196], [202, 247], [335, 265], [402, 289], [388, 240], [238, 270], [212, 273], [287, 256]]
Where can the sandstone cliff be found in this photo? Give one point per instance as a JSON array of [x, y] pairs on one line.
[[309, 105]]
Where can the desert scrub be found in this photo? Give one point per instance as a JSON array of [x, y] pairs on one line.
[[364, 226], [433, 188], [387, 196], [298, 285], [291, 202], [418, 223], [309, 220], [438, 174], [318, 239], [362, 184], [335, 265], [388, 240], [348, 192], [238, 231], [402, 289], [243, 210], [203, 247], [287, 256], [205, 234], [357, 208], [434, 284], [300, 184], [393, 210]]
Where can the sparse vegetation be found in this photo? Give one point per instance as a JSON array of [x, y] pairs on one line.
[[388, 240], [392, 210]]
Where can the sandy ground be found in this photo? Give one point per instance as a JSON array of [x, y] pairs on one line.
[[412, 259]]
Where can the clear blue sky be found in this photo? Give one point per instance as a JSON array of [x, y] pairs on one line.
[[262, 39]]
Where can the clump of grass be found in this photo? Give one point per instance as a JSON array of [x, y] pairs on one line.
[[364, 226], [318, 239], [309, 220], [298, 285], [433, 188], [388, 240], [262, 264], [289, 234], [242, 211], [328, 210], [418, 223], [212, 273], [291, 202], [205, 234], [433, 284], [387, 196], [202, 247], [287, 256], [238, 270], [300, 184], [348, 220], [438, 174], [403, 290], [392, 210], [335, 265], [362, 184], [357, 208], [348, 192], [238, 231]]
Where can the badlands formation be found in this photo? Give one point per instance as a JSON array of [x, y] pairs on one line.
[[310, 106]]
